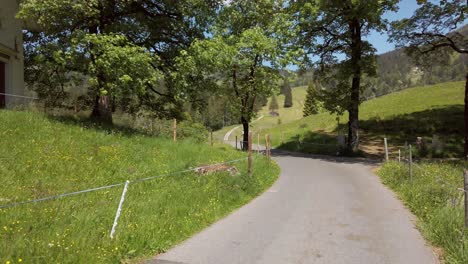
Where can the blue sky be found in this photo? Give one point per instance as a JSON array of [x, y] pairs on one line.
[[406, 10]]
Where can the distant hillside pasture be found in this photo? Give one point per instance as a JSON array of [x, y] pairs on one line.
[[42, 156], [285, 115], [400, 116]]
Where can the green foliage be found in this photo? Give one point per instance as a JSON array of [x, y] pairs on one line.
[[63, 156], [433, 40], [329, 28], [273, 104], [242, 59], [89, 30], [397, 71], [311, 101], [428, 29], [433, 196], [126, 69]]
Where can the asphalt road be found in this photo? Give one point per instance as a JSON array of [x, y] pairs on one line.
[[320, 210]]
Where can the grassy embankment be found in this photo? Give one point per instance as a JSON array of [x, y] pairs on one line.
[[433, 197], [400, 116], [41, 156]]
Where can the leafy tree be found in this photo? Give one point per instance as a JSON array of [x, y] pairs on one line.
[[311, 101], [332, 27], [287, 91], [242, 59], [273, 104], [428, 31], [163, 28]]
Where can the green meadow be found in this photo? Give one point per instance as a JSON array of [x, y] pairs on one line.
[[401, 117], [43, 156]]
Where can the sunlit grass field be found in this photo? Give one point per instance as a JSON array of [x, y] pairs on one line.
[[42, 156], [433, 196], [400, 116]]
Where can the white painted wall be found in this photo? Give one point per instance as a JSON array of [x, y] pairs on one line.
[[11, 49]]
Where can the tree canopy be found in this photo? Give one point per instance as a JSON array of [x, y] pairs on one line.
[[242, 59], [157, 29], [332, 28]]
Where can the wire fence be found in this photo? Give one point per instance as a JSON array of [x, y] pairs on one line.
[[115, 185], [124, 193], [32, 219], [456, 193], [293, 142]]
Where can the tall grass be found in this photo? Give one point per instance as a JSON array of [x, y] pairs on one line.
[[433, 196], [41, 156]]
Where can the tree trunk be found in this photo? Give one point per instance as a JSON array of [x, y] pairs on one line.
[[102, 110], [465, 153], [353, 124], [353, 107], [245, 137]]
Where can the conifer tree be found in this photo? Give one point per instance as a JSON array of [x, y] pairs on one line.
[[310, 104], [273, 104], [288, 100]]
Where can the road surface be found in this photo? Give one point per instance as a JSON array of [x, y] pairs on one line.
[[321, 210]]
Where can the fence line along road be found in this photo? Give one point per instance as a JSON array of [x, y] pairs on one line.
[[410, 161], [113, 185], [20, 96]]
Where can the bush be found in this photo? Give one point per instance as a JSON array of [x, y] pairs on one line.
[[195, 131]]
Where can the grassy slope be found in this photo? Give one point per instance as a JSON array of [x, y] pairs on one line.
[[42, 157], [401, 116], [434, 198], [287, 115]]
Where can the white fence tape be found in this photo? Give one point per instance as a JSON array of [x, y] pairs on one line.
[[119, 209]]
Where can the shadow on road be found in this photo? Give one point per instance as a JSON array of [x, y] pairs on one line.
[[336, 159]]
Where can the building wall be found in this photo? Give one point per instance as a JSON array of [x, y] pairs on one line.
[[11, 50]]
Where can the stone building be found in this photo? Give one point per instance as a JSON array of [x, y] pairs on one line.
[[11, 54]]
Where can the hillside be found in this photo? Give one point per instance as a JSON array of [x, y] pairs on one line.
[[401, 116], [286, 115], [396, 71], [44, 156]]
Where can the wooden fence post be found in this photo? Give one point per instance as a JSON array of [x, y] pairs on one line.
[[406, 150], [399, 155], [465, 188], [236, 142], [258, 143], [175, 130], [410, 163], [267, 146], [211, 137], [250, 154], [386, 149]]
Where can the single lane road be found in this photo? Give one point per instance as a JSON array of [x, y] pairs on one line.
[[321, 210]]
